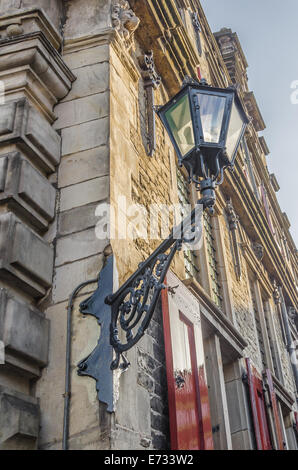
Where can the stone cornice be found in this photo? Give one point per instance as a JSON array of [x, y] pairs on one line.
[[30, 66], [265, 177], [254, 221], [254, 111], [161, 30], [27, 21], [106, 36], [50, 58]]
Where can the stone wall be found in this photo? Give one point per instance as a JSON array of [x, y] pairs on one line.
[[35, 78], [83, 183]]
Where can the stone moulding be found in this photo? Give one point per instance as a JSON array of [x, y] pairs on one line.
[[23, 126], [26, 191], [27, 21], [105, 36], [19, 264], [30, 63]]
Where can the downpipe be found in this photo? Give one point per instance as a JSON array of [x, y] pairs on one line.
[[67, 393]]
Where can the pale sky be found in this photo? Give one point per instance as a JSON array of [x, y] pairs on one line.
[[268, 33]]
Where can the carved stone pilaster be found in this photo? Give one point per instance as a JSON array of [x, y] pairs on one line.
[[198, 30], [124, 21], [151, 82], [233, 225]]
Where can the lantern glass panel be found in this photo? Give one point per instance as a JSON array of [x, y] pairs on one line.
[[180, 123], [212, 109], [234, 131]]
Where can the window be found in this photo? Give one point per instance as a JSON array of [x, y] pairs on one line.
[[190, 258], [258, 325], [270, 338], [216, 290]]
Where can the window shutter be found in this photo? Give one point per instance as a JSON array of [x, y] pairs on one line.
[[275, 410], [253, 403], [258, 408]]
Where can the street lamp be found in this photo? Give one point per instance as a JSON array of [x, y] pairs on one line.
[[205, 125]]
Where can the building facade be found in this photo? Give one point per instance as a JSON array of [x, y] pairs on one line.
[[80, 147]]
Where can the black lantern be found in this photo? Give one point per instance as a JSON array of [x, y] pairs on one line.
[[206, 125]]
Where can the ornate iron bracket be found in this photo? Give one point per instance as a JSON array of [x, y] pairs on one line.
[[151, 82], [125, 315], [97, 364], [133, 305]]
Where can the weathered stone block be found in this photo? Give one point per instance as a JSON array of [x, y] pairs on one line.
[[69, 276], [86, 18], [31, 20], [90, 80], [84, 193], [83, 57], [83, 166], [77, 219], [24, 126], [19, 420], [7, 117], [77, 246], [25, 258], [24, 330], [82, 110], [26, 190], [85, 136]]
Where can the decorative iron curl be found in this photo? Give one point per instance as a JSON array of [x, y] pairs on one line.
[[133, 305], [132, 310]]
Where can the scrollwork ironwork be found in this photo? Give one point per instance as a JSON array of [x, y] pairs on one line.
[[125, 315], [133, 305], [151, 82]]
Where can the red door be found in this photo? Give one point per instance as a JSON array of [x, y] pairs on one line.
[[190, 421]]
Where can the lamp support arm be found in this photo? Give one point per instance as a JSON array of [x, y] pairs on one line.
[[133, 304]]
